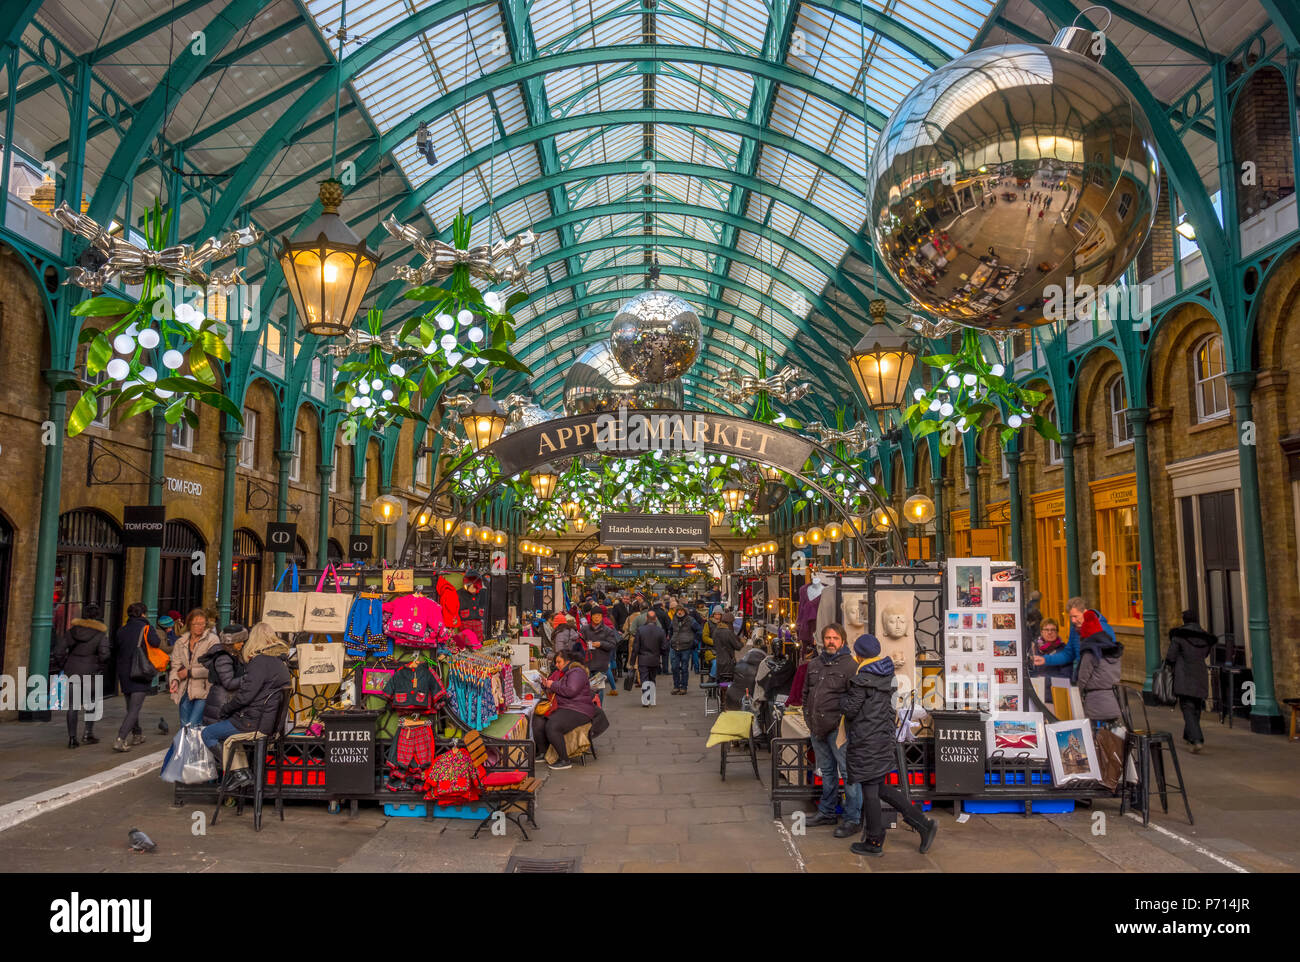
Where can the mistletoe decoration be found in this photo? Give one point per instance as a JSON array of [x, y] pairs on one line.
[[463, 332], [156, 353], [966, 391]]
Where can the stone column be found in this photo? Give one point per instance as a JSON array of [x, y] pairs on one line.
[[1071, 516], [1013, 504], [1265, 716], [1137, 419], [282, 457], [152, 556], [230, 457], [323, 522]]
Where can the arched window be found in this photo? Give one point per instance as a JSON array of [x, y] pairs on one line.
[[1209, 380], [1053, 447], [1117, 394]]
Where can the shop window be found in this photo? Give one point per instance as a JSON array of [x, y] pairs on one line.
[[273, 340], [1050, 553], [1053, 447], [179, 587], [1125, 202], [1120, 431], [1210, 380], [1120, 587], [182, 433], [422, 471], [1006, 468], [295, 462], [248, 443]]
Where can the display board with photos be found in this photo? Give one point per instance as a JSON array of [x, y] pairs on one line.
[[983, 640]]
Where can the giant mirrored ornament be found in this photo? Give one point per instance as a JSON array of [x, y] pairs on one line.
[[953, 174], [597, 383], [656, 336]]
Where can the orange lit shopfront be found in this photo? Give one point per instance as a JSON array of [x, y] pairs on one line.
[[1049, 533], [999, 522], [1119, 568]]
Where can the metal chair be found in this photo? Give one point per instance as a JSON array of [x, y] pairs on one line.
[[1147, 748], [258, 743]]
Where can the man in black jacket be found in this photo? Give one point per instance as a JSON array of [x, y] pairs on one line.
[[602, 643], [725, 644], [685, 634], [828, 677]]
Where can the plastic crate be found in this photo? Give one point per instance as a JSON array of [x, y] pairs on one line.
[[1047, 806], [476, 812], [405, 811]]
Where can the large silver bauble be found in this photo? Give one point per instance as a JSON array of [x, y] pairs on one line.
[[656, 336], [952, 174], [597, 383]]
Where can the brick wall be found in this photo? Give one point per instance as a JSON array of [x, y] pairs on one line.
[[24, 405], [1261, 134]]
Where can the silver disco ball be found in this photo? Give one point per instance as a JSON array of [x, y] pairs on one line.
[[1008, 172], [596, 383], [656, 336]]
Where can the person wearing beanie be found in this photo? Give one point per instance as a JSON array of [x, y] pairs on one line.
[[565, 633], [1100, 657], [225, 671], [602, 643], [868, 711]]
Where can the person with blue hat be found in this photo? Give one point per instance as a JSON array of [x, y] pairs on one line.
[[868, 710]]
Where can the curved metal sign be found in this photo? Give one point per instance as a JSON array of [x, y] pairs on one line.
[[629, 433]]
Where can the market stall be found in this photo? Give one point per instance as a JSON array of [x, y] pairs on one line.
[[400, 677], [973, 730]]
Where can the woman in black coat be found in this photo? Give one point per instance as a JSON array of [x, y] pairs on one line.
[[130, 637], [1189, 647], [254, 705], [225, 670], [868, 710], [83, 653]]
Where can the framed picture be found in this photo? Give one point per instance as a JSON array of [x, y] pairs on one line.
[[954, 641], [967, 578], [954, 620], [1006, 676], [967, 643], [1004, 595], [982, 644], [1072, 752], [981, 621], [1006, 648], [1006, 700], [1004, 621], [968, 621], [1015, 732]]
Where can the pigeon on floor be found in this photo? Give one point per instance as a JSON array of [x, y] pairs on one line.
[[162, 725], [140, 842]]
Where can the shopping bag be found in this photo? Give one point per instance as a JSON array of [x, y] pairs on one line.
[[326, 611], [58, 700], [189, 761], [1110, 757], [320, 664], [282, 610]]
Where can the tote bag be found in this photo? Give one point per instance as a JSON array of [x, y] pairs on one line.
[[320, 664], [282, 610], [326, 612]]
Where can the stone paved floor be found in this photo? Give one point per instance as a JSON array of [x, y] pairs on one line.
[[653, 802]]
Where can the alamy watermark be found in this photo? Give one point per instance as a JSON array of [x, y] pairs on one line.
[[637, 432], [23, 692]]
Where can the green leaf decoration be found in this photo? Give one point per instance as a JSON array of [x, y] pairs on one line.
[[100, 353], [82, 414], [200, 366], [103, 307]]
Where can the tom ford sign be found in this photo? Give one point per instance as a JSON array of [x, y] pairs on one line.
[[674, 530], [636, 432]]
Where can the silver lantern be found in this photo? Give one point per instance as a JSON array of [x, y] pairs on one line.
[[1011, 175], [597, 383], [656, 336]]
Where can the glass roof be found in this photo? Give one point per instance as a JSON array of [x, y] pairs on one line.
[[732, 153]]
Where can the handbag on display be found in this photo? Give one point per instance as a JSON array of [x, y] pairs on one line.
[[283, 610], [1110, 757], [326, 611], [320, 664]]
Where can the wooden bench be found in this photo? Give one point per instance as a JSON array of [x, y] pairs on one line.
[[515, 802]]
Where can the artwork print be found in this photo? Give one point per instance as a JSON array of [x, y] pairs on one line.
[[981, 621], [1007, 676], [1072, 752], [1006, 648], [1004, 621], [1003, 595], [954, 620], [968, 585], [1016, 733], [968, 621]]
